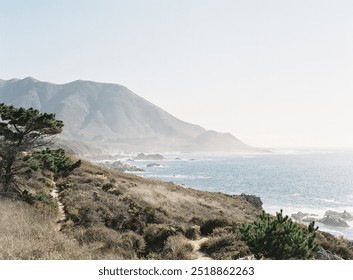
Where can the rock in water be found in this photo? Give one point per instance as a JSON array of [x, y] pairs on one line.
[[299, 216], [142, 156], [345, 215], [153, 164], [122, 167], [333, 221]]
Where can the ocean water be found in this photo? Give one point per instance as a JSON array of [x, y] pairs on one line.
[[311, 182]]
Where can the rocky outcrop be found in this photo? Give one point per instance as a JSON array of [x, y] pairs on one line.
[[122, 167], [323, 254], [331, 218], [299, 216], [253, 200], [142, 156], [153, 164], [344, 216], [333, 221]]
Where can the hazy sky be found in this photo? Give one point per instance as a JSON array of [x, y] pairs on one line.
[[273, 73]]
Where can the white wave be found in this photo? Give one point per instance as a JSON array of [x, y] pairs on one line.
[[326, 200], [332, 231]]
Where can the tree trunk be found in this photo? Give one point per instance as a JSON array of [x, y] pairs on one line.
[[8, 174]]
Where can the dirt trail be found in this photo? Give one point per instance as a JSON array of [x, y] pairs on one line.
[[197, 244], [61, 213]]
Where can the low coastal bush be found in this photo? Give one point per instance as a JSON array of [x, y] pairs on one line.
[[208, 226], [279, 238], [225, 244], [157, 235], [193, 232], [42, 197], [108, 242], [177, 248]]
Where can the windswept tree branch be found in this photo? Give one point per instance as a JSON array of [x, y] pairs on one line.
[[22, 130]]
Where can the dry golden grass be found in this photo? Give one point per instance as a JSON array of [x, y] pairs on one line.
[[177, 248], [26, 234], [339, 246], [225, 244]]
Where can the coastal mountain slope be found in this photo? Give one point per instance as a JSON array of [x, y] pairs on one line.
[[112, 116], [211, 141]]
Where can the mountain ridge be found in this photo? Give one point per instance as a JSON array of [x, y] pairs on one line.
[[107, 113]]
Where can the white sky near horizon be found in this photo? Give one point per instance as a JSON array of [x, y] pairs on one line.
[[273, 73]]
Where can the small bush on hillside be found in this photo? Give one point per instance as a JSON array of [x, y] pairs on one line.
[[128, 245], [193, 232], [157, 235], [279, 238], [208, 226], [177, 248], [225, 244], [34, 164], [42, 197]]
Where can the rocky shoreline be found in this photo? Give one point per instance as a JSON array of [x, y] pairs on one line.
[[120, 166], [331, 218]]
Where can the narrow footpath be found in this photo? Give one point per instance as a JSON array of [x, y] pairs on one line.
[[61, 218], [197, 244]]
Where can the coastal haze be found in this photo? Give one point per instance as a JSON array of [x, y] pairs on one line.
[[113, 118]]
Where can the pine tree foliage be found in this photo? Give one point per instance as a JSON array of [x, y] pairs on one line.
[[54, 160], [279, 238], [22, 130]]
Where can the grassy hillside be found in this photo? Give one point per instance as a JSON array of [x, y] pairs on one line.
[[111, 215]]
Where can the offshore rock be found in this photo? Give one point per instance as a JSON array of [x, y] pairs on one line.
[[333, 221], [153, 164], [122, 167], [345, 215], [299, 216], [142, 156]]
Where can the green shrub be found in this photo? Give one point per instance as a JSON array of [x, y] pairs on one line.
[[42, 197], [33, 164], [279, 238], [54, 160]]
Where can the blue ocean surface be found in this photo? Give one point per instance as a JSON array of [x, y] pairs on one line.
[[311, 182]]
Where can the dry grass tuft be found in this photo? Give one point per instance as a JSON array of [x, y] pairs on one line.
[[338, 246], [177, 248], [29, 235], [225, 244]]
